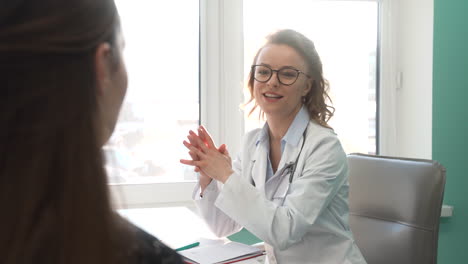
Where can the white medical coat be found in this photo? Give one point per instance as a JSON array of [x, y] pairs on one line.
[[302, 222]]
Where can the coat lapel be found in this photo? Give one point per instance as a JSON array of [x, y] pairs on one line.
[[258, 166]]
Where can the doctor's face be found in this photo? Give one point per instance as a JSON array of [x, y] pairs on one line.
[[280, 97]]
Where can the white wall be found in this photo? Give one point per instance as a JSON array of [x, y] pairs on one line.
[[414, 97], [408, 131]]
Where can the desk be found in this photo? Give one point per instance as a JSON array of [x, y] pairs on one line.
[[175, 226]]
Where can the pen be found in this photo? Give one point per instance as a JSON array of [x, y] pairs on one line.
[[188, 246]]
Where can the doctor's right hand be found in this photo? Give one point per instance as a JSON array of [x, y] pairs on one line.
[[204, 180], [195, 141]]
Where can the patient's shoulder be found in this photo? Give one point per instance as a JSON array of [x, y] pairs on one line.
[[153, 251]]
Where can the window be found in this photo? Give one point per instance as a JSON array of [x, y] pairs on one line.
[[345, 34], [162, 101]]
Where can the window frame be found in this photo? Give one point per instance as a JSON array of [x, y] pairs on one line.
[[221, 80]]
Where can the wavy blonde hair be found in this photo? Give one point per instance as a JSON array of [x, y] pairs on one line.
[[316, 99]]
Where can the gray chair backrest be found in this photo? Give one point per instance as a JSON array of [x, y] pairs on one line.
[[395, 206]]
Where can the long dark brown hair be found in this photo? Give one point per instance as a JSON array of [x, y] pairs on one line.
[[53, 187], [316, 99]]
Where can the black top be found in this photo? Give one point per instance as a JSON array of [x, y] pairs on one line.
[[153, 251]]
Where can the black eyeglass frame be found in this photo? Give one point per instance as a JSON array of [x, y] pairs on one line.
[[277, 76]]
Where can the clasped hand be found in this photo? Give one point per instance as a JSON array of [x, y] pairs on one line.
[[211, 162]]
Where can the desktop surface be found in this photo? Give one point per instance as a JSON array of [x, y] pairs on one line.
[[176, 227]]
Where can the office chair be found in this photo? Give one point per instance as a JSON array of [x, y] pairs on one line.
[[395, 206]]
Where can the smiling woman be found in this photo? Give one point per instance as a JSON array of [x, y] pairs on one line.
[[289, 186]]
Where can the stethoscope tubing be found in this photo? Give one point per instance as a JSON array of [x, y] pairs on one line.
[[294, 165]]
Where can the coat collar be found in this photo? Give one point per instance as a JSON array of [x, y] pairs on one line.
[[291, 142]]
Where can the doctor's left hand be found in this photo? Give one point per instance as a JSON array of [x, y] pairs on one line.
[[211, 161]]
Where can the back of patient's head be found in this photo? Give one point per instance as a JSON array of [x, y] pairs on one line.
[[53, 195]]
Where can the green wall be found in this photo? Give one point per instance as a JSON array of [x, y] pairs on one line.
[[450, 122]]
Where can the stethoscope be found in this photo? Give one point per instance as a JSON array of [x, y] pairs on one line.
[[291, 167]]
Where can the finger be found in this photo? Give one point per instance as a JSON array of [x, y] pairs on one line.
[[193, 155], [222, 148], [191, 133], [190, 147], [226, 152], [203, 138], [199, 143], [192, 138], [196, 142], [195, 163], [196, 152], [187, 144], [206, 136]]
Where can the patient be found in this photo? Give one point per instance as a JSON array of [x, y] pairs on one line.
[[62, 82]]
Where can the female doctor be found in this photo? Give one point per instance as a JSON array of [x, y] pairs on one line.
[[289, 186]]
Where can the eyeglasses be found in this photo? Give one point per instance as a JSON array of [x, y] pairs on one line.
[[286, 75]]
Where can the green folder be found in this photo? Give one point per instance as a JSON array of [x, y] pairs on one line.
[[245, 237]]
